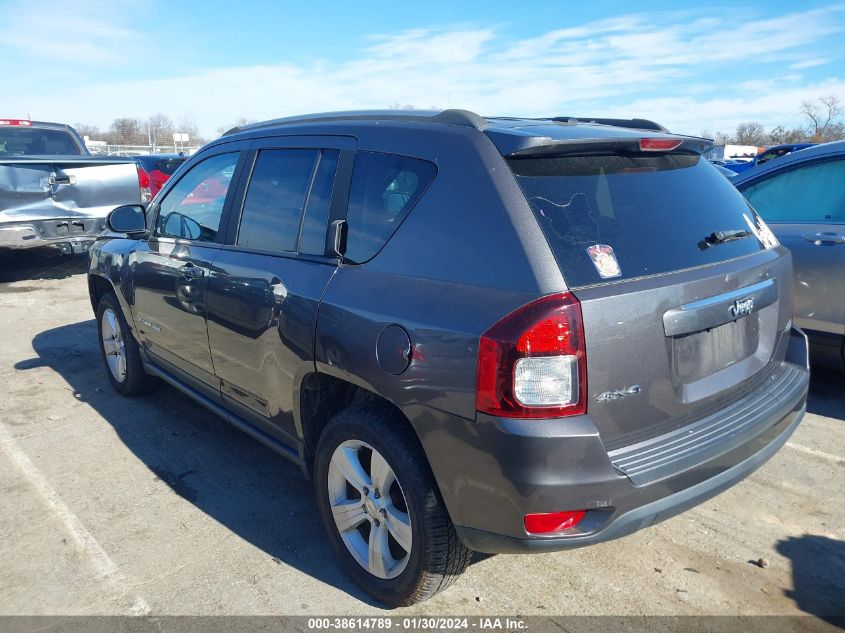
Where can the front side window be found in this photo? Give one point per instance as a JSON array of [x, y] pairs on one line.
[[385, 187], [193, 208], [812, 193], [276, 198]]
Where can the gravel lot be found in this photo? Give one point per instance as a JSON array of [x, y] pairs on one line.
[[153, 505]]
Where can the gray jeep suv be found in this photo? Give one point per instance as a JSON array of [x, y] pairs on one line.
[[489, 334]]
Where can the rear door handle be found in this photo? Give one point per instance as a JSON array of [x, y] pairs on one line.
[[825, 238], [191, 271]]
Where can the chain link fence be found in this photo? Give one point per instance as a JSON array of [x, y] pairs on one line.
[[105, 149]]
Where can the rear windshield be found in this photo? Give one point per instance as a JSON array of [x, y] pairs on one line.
[[33, 141], [611, 217]]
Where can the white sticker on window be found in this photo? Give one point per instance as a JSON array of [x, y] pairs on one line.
[[604, 260]]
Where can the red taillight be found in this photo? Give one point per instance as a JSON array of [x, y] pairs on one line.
[[532, 363], [659, 144], [15, 122], [144, 184], [553, 521], [143, 178]]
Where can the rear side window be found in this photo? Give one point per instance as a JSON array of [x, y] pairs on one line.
[[609, 217], [312, 239], [275, 199], [384, 188], [169, 165], [812, 193]]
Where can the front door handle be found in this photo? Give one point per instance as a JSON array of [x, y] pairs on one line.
[[191, 271], [825, 238]]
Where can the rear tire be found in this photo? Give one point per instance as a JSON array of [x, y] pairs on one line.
[[421, 553], [121, 355]]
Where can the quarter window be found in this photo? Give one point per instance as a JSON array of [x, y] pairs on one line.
[[193, 208], [385, 187], [812, 193], [276, 198]]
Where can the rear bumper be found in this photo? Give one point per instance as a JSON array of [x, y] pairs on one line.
[[497, 470], [70, 235]]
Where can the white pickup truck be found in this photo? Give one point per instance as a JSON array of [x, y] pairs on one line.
[[53, 192]]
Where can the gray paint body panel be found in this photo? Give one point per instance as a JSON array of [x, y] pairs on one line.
[[469, 253]]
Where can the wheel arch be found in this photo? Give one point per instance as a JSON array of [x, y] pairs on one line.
[[321, 396]]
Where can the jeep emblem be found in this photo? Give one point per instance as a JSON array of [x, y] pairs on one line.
[[741, 307]]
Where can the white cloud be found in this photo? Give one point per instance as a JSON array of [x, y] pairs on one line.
[[665, 66], [69, 34], [809, 63]]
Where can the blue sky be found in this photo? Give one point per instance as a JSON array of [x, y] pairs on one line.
[[694, 66]]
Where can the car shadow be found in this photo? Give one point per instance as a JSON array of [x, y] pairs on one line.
[[818, 575], [827, 393], [39, 263], [239, 482]]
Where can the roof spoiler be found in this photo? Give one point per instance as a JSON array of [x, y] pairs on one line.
[[636, 124], [544, 146]]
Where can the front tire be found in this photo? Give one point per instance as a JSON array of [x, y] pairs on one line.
[[120, 351], [381, 508]]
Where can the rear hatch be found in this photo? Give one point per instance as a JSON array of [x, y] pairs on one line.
[[684, 292]]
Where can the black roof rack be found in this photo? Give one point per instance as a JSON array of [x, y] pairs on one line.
[[446, 117], [637, 124]]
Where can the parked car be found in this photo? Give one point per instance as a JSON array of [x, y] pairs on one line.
[[802, 198], [500, 335], [769, 154], [53, 193], [159, 168], [727, 173]]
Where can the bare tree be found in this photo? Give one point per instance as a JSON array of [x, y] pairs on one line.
[[188, 125], [821, 115], [721, 138], [126, 131], [239, 122], [159, 128], [778, 134], [750, 133], [91, 131]]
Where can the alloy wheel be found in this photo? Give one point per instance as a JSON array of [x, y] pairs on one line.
[[369, 509], [113, 345]]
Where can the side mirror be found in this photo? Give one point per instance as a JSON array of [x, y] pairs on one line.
[[128, 219]]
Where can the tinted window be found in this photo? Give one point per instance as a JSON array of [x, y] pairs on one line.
[[193, 208], [384, 189], [169, 165], [33, 141], [313, 237], [275, 199], [813, 193], [653, 212]]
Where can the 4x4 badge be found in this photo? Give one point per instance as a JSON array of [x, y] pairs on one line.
[[607, 396], [604, 260]]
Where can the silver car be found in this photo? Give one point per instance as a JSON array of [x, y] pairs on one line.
[[802, 198]]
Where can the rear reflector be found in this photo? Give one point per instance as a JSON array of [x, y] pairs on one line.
[[659, 144], [553, 521], [15, 122]]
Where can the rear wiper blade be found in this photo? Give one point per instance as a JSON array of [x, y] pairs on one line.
[[720, 237]]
